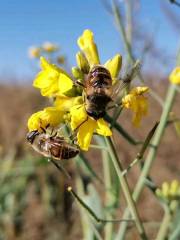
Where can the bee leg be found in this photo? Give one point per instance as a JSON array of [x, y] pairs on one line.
[[114, 106], [77, 83], [48, 125], [55, 134], [44, 130], [60, 168]]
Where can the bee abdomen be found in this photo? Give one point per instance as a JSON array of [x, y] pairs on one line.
[[64, 152], [69, 152]]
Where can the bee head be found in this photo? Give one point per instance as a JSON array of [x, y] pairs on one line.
[[31, 136]]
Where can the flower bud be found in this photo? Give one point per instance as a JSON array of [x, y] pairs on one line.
[[82, 62], [77, 73]]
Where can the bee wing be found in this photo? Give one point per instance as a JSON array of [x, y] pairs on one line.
[[126, 80]]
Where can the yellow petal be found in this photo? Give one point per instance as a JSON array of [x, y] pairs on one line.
[[128, 100], [66, 103], [175, 76], [49, 116], [114, 65], [136, 119], [78, 115], [175, 186], [85, 133], [102, 128], [139, 90], [65, 83], [165, 189], [138, 103], [52, 81], [89, 48]]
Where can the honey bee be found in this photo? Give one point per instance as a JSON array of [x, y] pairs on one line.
[[99, 89], [52, 146]]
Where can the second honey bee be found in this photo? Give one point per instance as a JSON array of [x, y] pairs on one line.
[[52, 146]]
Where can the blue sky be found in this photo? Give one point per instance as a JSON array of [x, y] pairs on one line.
[[26, 23]]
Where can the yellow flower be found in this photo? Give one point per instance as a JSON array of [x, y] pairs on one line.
[[66, 103], [175, 76], [52, 81], [49, 116], [34, 52], [137, 102], [89, 48], [86, 126], [90, 51], [169, 191], [49, 47]]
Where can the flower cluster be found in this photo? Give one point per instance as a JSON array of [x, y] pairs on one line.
[[169, 191], [69, 105], [137, 102]]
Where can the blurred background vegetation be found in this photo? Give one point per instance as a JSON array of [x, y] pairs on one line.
[[34, 203]]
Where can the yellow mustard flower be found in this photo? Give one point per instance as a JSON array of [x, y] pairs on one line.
[[137, 102], [49, 116], [175, 76], [49, 47], [55, 115], [88, 46], [52, 80], [86, 126], [90, 51], [34, 52], [169, 191]]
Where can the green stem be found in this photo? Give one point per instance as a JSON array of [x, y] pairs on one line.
[[108, 230], [91, 212], [122, 131], [121, 29], [151, 154], [163, 231], [125, 188]]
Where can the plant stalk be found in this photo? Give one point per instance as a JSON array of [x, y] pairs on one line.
[[125, 188], [163, 231], [151, 154]]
